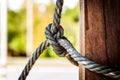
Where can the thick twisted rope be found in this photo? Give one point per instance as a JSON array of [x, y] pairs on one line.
[[62, 47], [59, 40], [32, 60], [52, 38], [88, 64], [54, 28]]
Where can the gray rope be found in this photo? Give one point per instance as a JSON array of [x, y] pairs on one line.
[[53, 29], [62, 47], [58, 49], [32, 60], [88, 64]]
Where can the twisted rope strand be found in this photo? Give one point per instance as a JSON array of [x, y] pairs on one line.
[[33, 59], [55, 31], [40, 49], [90, 65], [57, 14], [62, 47]]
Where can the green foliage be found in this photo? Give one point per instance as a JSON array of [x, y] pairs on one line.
[[18, 45], [17, 28], [49, 53], [72, 14], [16, 31], [70, 23]]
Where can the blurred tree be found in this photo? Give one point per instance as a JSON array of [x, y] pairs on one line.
[[16, 32], [43, 15], [69, 21], [41, 19]]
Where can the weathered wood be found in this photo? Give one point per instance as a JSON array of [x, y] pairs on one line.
[[82, 38], [102, 34]]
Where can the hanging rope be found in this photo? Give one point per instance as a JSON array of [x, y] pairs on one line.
[[88, 64], [62, 47], [53, 29]]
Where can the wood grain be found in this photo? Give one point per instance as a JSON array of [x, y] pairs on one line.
[[82, 38], [102, 34]]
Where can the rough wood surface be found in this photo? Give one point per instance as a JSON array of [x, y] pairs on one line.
[[82, 38], [102, 35]]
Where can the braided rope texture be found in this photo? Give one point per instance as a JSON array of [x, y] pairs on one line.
[[53, 30], [32, 60], [88, 64], [62, 47]]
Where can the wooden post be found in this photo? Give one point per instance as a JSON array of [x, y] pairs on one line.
[[100, 40]]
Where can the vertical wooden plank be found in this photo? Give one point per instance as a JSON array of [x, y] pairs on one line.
[[102, 30], [82, 38], [95, 48], [112, 23]]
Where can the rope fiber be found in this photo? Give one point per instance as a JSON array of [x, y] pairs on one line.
[[62, 47]]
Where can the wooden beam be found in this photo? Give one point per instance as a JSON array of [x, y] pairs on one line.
[[82, 38], [102, 30]]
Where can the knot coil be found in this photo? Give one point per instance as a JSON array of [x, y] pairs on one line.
[[52, 35]]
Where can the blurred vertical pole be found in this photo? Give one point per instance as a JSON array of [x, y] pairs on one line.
[[3, 32], [3, 38], [29, 24]]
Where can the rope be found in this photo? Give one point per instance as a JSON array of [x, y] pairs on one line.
[[32, 60], [62, 47], [88, 64], [53, 29]]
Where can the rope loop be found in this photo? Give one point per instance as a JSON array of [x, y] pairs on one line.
[[52, 35], [62, 47]]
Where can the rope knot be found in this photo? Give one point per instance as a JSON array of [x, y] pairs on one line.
[[53, 35]]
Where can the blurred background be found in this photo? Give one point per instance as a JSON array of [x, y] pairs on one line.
[[22, 27]]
